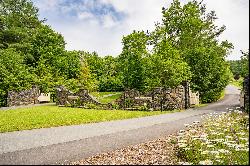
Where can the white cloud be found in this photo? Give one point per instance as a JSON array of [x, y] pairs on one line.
[[85, 15], [108, 21], [87, 33], [235, 16]]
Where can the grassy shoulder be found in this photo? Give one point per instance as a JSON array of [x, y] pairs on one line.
[[200, 105], [222, 95], [53, 116]]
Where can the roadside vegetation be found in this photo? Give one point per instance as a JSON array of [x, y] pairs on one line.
[[221, 139], [52, 116], [240, 69], [238, 83]]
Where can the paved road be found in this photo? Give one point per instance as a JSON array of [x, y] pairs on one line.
[[70, 143]]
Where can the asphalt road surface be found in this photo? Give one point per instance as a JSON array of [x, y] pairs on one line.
[[61, 145]]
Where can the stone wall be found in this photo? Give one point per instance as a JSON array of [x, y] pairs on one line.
[[160, 98], [66, 97], [23, 97], [157, 99]]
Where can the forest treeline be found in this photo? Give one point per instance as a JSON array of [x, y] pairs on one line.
[[240, 68], [184, 46]]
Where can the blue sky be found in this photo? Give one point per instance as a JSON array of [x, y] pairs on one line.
[[99, 25]]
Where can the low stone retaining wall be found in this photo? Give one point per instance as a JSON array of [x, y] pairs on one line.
[[66, 97], [159, 98], [23, 97]]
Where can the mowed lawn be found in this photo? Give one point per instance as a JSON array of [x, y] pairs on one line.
[[52, 116], [106, 97]]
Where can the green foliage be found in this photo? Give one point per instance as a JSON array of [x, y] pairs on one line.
[[235, 67], [35, 54], [110, 80], [14, 74], [131, 60], [240, 68], [192, 31], [185, 47], [144, 107], [245, 64], [47, 46], [90, 106], [85, 78], [238, 83], [105, 71], [165, 67], [18, 23]]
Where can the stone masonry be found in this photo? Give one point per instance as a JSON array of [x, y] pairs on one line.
[[66, 97], [23, 97], [157, 99]]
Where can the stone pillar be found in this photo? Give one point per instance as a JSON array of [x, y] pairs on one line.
[[186, 91], [246, 93]]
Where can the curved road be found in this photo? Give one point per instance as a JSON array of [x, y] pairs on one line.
[[61, 145]]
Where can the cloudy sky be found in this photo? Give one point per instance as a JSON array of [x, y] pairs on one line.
[[98, 25]]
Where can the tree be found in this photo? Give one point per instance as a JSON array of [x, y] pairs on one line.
[[244, 60], [240, 68], [85, 78], [235, 67], [110, 80], [95, 62], [14, 74], [192, 31], [47, 46], [18, 23], [130, 60]]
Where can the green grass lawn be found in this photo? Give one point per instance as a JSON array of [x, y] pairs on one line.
[[52, 116], [103, 98]]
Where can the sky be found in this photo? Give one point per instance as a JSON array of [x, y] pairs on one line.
[[99, 25]]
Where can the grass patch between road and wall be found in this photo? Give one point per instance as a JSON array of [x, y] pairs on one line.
[[52, 116]]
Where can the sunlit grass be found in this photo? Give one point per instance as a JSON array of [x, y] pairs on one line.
[[106, 97], [200, 105], [222, 95], [51, 116]]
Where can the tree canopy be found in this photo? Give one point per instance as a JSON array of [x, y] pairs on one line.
[[184, 46]]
